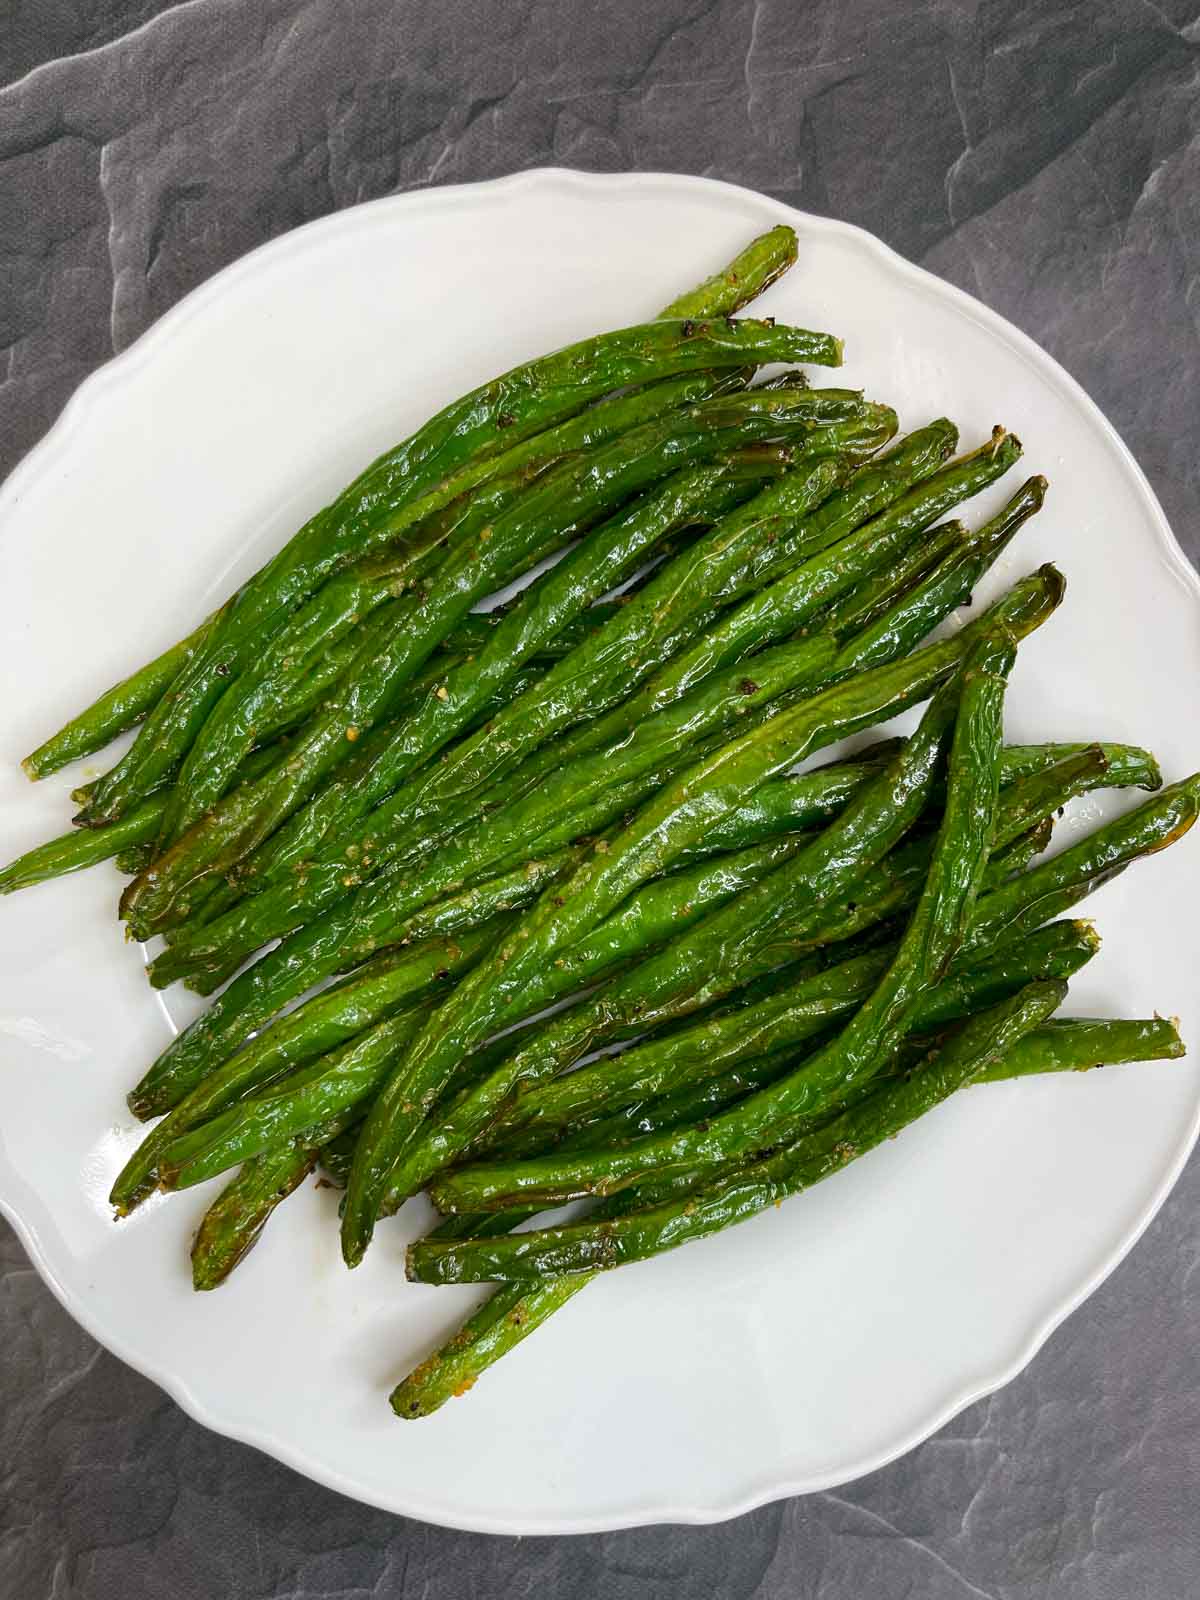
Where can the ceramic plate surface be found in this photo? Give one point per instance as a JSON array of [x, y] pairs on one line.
[[802, 1349]]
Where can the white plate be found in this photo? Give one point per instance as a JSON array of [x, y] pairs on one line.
[[798, 1351]]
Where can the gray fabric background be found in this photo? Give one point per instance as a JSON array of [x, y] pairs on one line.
[[1046, 157]]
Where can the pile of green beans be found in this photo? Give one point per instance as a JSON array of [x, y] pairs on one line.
[[542, 903]]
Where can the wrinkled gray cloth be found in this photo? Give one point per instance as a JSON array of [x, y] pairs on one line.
[[1046, 158]]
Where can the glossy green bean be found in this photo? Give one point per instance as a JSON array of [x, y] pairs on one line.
[[234, 1222], [606, 557], [1053, 886], [795, 599], [83, 847], [688, 591], [788, 533], [261, 991], [768, 536], [380, 919], [647, 847], [874, 820], [373, 599], [1018, 907], [118, 708], [765, 927], [563, 503], [930, 942], [516, 1309], [346, 1078], [303, 1102], [501, 1323], [462, 445], [636, 1234], [673, 1067], [783, 676], [746, 276], [1077, 1044], [788, 805], [751, 271]]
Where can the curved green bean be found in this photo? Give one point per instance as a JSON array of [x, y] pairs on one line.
[[234, 1222], [751, 271]]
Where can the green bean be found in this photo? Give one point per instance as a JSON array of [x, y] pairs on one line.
[[1020, 906], [750, 272], [500, 1324], [303, 1102], [377, 922], [797, 801], [868, 602], [1057, 951], [1048, 890], [634, 1235], [747, 276], [930, 943], [120, 707], [685, 1059], [302, 689], [1129, 766], [1018, 854], [205, 975], [783, 675], [911, 616], [358, 926], [564, 502], [305, 957], [83, 847], [1047, 791], [373, 599], [647, 847], [606, 557], [459, 447], [516, 1309], [346, 1078], [326, 1022], [337, 1155], [235, 1220], [766, 926], [879, 815], [313, 650], [134, 858], [788, 538], [264, 989], [779, 807], [700, 580], [1055, 885], [123, 840], [1077, 1044], [768, 536], [795, 599]]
